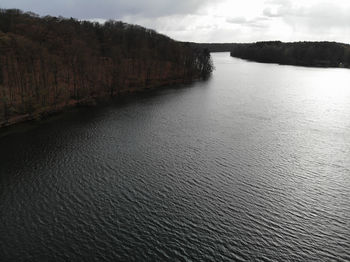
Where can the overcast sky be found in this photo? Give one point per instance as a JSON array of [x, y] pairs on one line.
[[212, 20]]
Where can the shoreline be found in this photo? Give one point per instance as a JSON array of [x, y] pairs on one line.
[[291, 64], [92, 101]]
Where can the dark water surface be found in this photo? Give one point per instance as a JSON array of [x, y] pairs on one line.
[[252, 165]]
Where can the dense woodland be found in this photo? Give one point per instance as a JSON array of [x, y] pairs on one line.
[[327, 54], [215, 47], [320, 54], [49, 63]]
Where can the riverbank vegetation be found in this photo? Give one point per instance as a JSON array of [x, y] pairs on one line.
[[49, 63], [317, 54]]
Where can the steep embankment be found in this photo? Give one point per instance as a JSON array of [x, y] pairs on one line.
[[49, 63]]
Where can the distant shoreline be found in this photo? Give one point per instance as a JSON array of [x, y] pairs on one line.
[[298, 65], [308, 54]]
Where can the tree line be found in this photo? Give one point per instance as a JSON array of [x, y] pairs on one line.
[[318, 54], [49, 63], [215, 47]]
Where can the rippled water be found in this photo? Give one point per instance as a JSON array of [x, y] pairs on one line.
[[252, 165]]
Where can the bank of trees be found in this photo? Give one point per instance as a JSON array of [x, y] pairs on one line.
[[323, 54], [215, 47], [47, 63]]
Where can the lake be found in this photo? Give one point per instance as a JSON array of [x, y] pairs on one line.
[[251, 165]]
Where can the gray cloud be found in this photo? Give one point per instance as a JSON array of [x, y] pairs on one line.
[[237, 20], [212, 20], [114, 9], [323, 14], [258, 22], [269, 13], [278, 8]]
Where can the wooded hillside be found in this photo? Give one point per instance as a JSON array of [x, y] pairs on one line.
[[49, 63]]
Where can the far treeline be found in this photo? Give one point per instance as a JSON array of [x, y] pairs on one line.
[[318, 54], [50, 63]]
